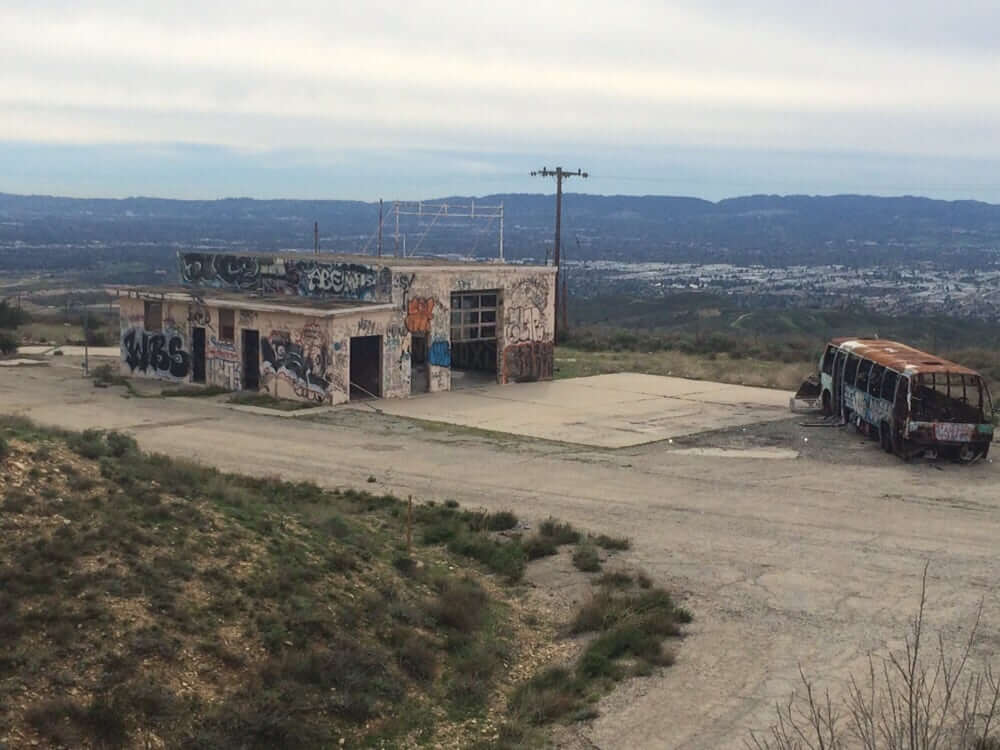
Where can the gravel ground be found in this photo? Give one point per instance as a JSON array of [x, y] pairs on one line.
[[812, 560]]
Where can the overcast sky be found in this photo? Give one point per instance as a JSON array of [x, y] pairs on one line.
[[373, 99]]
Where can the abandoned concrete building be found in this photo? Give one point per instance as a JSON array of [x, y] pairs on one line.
[[328, 328]]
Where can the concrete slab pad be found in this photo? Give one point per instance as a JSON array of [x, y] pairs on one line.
[[606, 411]]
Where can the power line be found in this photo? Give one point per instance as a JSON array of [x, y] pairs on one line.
[[560, 174]]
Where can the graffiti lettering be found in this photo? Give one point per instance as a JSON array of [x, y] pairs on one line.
[[304, 367], [366, 327], [208, 269], [440, 353], [524, 324], [247, 318], [395, 331], [224, 351], [162, 354], [275, 275], [224, 373], [532, 289], [419, 311], [527, 362], [199, 316]]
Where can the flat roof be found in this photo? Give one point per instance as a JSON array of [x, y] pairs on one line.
[[390, 261], [900, 357], [315, 306]]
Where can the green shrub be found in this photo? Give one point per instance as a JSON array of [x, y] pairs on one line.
[[8, 342], [417, 657], [460, 605], [501, 521], [507, 559], [539, 546], [629, 639], [4, 447], [548, 696], [559, 532], [611, 542], [585, 558], [89, 444]]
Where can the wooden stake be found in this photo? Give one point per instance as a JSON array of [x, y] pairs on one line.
[[409, 525]]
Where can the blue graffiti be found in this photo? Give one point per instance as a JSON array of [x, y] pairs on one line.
[[440, 354]]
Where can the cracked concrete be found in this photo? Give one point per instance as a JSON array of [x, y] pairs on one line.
[[809, 561]]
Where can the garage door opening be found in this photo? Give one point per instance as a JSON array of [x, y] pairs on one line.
[[366, 367], [474, 317]]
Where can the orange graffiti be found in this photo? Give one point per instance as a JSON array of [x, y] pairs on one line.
[[418, 315]]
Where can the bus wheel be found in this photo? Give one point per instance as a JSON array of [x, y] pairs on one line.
[[827, 405], [885, 437], [967, 453]]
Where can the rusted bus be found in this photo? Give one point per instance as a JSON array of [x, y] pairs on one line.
[[911, 400]]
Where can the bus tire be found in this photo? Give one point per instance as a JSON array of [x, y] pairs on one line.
[[885, 437], [827, 404]]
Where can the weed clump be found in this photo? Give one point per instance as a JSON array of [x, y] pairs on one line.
[[539, 546], [585, 558], [559, 532], [501, 521], [460, 605], [611, 542]]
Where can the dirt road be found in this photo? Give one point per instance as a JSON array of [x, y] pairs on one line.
[[811, 561]]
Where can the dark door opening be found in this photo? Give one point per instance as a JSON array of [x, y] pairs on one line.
[[366, 367], [198, 354], [473, 354], [251, 360], [420, 376]]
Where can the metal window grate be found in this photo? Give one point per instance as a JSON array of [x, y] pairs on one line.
[[474, 316]]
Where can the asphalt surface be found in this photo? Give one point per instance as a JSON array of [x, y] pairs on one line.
[[810, 561]]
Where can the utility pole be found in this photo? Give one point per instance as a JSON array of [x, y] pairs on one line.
[[316, 237], [560, 174], [380, 227]]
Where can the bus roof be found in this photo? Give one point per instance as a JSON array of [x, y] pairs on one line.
[[900, 357]]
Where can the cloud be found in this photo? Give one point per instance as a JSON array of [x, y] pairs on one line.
[[901, 78]]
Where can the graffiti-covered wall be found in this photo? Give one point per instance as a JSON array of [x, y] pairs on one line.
[[163, 353], [525, 331], [283, 275], [309, 357]]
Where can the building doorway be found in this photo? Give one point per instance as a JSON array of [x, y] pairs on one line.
[[198, 354], [474, 316], [251, 360], [420, 376], [366, 367]]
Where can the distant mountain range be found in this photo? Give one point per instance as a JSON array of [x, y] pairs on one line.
[[42, 231]]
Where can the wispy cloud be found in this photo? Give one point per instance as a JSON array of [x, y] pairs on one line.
[[905, 78]]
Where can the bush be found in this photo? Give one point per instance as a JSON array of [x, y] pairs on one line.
[[460, 605], [631, 639], [501, 521], [105, 375], [4, 447], [507, 559], [548, 696], [417, 658], [539, 546], [585, 558], [8, 342], [559, 532], [909, 693], [611, 542]]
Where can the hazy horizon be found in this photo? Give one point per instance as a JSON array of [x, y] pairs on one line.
[[712, 98]]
